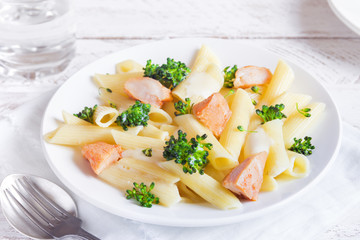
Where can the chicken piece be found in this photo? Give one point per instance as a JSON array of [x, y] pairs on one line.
[[147, 90], [249, 76], [213, 112], [101, 155], [247, 177]]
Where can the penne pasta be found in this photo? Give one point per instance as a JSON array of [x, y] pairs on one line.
[[280, 82], [269, 184], [128, 66], [151, 168], [169, 108], [299, 165], [171, 129], [203, 59], [158, 116], [121, 102], [105, 116], [231, 138], [290, 100], [278, 160], [205, 186], [188, 194], [216, 174], [154, 132], [128, 141], [123, 177], [115, 82], [297, 125], [75, 135]]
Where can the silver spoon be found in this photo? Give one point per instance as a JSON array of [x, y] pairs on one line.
[[23, 224]]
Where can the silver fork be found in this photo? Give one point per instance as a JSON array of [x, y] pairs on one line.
[[43, 212]]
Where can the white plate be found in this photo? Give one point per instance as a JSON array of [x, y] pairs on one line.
[[80, 91], [348, 12]]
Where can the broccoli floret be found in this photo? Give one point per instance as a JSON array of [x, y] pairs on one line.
[[169, 74], [136, 115], [87, 114], [192, 155], [229, 76], [271, 113], [183, 107], [301, 147], [147, 152], [141, 193]]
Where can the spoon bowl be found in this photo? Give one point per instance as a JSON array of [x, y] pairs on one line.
[[20, 222]]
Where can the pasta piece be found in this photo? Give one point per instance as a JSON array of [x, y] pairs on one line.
[[129, 66], [277, 161], [255, 121], [171, 129], [123, 178], [128, 141], [169, 108], [289, 100], [158, 117], [120, 101], [280, 82], [73, 120], [297, 125], [153, 132], [115, 82], [231, 138], [216, 174], [188, 194], [79, 135], [219, 157], [134, 130], [269, 184], [205, 186], [256, 96], [299, 165], [156, 156], [150, 168], [204, 58], [105, 116], [226, 92]]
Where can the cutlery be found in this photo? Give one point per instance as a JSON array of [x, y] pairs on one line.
[[27, 206]]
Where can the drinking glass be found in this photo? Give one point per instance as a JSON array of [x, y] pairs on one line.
[[37, 37]]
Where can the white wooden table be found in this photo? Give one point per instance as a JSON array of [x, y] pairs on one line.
[[304, 31]]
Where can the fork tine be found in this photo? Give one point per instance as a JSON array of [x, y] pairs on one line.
[[31, 205], [26, 212], [41, 199]]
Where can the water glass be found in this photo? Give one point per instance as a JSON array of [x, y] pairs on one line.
[[37, 37]]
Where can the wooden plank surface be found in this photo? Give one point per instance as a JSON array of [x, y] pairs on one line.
[[154, 19]]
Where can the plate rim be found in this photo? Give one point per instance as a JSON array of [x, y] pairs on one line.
[[343, 19], [204, 222]]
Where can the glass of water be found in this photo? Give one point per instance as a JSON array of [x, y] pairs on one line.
[[37, 37]]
